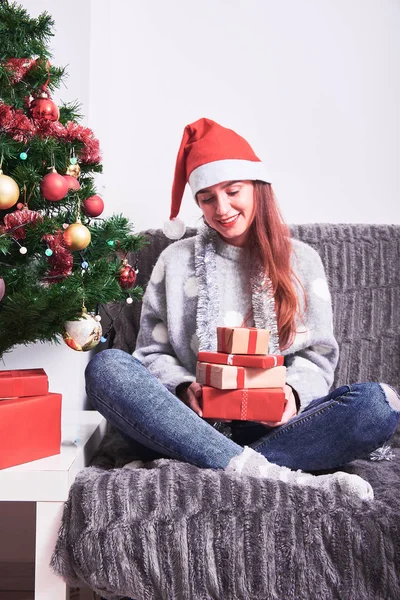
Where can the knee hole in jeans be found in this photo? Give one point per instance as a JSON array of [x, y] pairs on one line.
[[391, 396]]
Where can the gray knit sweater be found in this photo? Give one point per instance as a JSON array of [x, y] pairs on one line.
[[188, 295]]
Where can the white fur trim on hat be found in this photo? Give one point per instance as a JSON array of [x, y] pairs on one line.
[[227, 170], [174, 229]]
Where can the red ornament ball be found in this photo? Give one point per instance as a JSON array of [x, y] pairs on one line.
[[93, 206], [127, 276], [73, 183], [44, 108], [54, 187]]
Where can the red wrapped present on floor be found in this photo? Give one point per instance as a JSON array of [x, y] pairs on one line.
[[24, 382], [242, 340], [30, 428], [244, 404], [260, 361], [226, 377]]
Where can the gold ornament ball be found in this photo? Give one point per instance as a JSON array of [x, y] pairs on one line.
[[74, 171], [9, 191], [82, 335], [77, 236]]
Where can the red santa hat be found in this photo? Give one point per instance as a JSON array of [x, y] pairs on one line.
[[210, 154]]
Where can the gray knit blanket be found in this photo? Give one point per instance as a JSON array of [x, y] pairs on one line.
[[172, 531]]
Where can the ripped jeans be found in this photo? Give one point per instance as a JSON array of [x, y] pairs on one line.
[[348, 423]]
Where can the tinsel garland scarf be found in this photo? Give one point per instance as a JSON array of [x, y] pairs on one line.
[[207, 308]]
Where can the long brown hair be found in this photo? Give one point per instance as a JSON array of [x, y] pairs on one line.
[[269, 245]]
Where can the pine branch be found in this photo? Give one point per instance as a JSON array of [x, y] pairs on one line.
[[70, 112], [21, 35], [46, 286]]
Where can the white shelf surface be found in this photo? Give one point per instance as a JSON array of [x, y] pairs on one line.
[[49, 479]]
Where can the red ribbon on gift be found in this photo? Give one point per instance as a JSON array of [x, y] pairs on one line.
[[243, 404], [252, 343], [240, 377], [208, 374]]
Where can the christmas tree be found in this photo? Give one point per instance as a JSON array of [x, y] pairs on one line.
[[59, 260]]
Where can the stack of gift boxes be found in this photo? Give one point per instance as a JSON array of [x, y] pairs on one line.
[[241, 381], [30, 417]]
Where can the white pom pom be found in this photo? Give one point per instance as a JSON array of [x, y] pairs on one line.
[[174, 229]]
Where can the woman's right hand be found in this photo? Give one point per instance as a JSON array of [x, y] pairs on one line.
[[191, 396]]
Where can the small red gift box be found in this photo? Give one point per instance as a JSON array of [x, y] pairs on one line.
[[242, 360], [30, 428], [226, 377], [244, 404], [25, 382], [242, 340]]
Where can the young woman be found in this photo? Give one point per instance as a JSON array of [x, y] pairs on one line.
[[241, 269]]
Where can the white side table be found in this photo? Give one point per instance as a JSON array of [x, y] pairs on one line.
[[47, 482]]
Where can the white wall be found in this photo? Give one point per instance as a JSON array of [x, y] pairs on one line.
[[312, 84]]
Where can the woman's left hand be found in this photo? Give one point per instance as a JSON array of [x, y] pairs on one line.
[[290, 409]]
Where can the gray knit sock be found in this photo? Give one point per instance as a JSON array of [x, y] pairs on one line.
[[254, 464]]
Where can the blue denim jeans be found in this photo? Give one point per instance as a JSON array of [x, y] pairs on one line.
[[348, 423]]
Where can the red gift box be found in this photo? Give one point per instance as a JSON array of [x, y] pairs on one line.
[[24, 382], [226, 377], [265, 361], [242, 340], [30, 428], [244, 404]]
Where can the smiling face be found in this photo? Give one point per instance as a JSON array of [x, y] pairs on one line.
[[228, 207]]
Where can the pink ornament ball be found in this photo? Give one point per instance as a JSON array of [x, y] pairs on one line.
[[73, 183], [2, 288], [54, 187], [93, 206]]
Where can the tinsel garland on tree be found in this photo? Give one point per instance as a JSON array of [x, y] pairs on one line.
[[58, 257]]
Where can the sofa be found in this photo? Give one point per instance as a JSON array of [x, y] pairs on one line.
[[167, 530]]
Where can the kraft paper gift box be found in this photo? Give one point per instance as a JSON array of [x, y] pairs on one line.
[[260, 361], [244, 404], [30, 428], [242, 340], [225, 377], [24, 382]]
